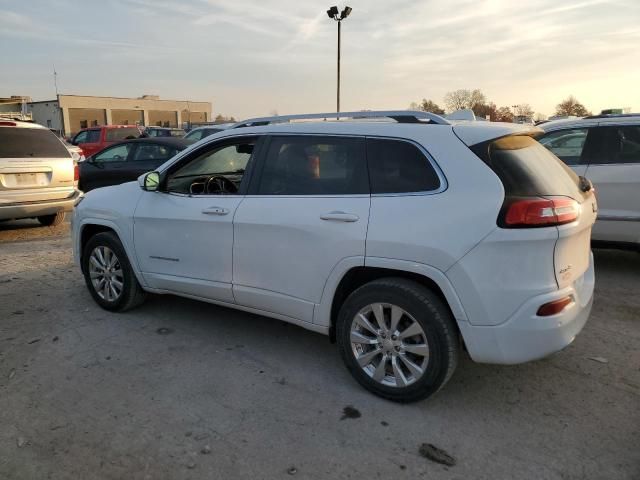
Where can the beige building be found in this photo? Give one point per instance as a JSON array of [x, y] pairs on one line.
[[70, 113], [14, 107]]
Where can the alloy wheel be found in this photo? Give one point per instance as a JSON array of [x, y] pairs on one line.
[[389, 345], [106, 273]]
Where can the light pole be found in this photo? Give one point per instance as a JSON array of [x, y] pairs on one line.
[[338, 16]]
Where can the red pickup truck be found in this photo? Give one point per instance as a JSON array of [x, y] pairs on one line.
[[92, 140]]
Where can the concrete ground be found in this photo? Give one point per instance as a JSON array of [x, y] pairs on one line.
[[178, 389]]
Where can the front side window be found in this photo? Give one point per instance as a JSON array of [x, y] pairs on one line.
[[216, 171], [314, 165], [397, 166], [567, 145], [118, 153], [81, 137], [153, 152], [195, 135]]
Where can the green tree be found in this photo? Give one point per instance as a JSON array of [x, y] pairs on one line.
[[571, 106]]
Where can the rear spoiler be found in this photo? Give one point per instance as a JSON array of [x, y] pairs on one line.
[[472, 133]]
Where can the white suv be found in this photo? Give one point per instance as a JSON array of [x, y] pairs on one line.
[[402, 240], [606, 149]]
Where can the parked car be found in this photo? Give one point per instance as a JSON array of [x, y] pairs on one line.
[[38, 177], [605, 149], [94, 139], [201, 132], [398, 240], [163, 132], [127, 160]]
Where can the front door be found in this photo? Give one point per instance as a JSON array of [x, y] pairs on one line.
[[183, 234], [307, 210]]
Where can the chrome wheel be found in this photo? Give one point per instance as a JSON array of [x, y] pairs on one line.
[[106, 274], [389, 345]]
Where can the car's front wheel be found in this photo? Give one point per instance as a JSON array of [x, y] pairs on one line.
[[398, 339], [108, 273]]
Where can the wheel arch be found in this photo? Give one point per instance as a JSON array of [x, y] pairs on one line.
[[91, 227], [375, 268]]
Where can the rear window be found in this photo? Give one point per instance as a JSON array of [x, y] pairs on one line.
[[527, 169], [30, 142], [115, 134]]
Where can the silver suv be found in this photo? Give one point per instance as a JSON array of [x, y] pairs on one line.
[[38, 177], [605, 149]]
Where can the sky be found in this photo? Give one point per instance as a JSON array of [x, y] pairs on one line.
[[252, 58]]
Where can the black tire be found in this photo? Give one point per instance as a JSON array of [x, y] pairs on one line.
[[132, 293], [52, 220], [428, 310]]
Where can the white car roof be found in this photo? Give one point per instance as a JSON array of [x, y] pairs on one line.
[[590, 121], [470, 133]]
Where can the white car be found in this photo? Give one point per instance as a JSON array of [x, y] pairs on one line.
[[606, 150], [403, 240]]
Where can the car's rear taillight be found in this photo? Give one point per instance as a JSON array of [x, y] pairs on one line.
[[76, 173], [538, 212]]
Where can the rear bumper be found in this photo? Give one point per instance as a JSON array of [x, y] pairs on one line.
[[36, 209], [525, 336]]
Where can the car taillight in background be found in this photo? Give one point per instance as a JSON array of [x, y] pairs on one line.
[[76, 172], [538, 212]]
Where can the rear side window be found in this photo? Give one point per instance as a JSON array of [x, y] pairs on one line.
[[30, 142], [115, 134], [527, 169], [153, 152], [567, 145], [614, 145], [93, 136], [314, 165], [397, 166]]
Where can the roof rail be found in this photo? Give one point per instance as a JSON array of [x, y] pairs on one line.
[[400, 116], [613, 115]]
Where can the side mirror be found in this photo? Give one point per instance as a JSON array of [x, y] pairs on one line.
[[149, 181]]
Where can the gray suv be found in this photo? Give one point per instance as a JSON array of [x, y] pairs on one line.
[[606, 150], [38, 176]]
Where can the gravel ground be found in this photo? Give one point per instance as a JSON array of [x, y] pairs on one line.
[[179, 389]]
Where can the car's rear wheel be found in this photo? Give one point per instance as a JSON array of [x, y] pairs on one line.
[[108, 274], [52, 220], [398, 339]]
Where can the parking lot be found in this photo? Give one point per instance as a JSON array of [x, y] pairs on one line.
[[181, 389]]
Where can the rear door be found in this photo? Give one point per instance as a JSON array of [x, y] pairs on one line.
[[34, 166], [307, 209], [614, 168]]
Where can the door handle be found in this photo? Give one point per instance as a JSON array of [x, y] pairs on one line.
[[340, 217], [215, 211]]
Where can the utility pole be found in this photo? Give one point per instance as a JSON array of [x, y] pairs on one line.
[[338, 16]]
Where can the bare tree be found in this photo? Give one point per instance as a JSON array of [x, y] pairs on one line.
[[571, 106], [222, 119], [463, 98], [524, 110], [427, 106], [539, 117]]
